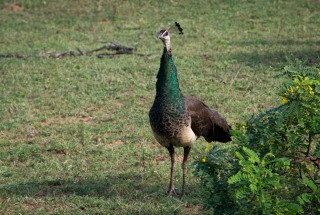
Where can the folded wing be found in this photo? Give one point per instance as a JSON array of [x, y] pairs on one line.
[[206, 122]]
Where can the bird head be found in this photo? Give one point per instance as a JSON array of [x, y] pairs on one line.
[[164, 36]]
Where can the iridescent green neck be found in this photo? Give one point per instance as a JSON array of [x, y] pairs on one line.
[[167, 83]]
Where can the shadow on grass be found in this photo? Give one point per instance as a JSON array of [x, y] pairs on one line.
[[118, 185], [276, 59], [277, 54], [128, 189], [288, 42]]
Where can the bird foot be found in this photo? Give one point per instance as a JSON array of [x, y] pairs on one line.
[[181, 196], [171, 192]]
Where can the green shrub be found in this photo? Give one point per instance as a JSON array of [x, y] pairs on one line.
[[273, 165], [214, 170]]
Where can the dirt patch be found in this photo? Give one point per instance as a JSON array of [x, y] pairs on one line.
[[12, 7], [116, 143], [30, 206], [118, 104], [161, 158], [193, 209], [69, 119]]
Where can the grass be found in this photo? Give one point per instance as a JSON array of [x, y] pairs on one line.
[[74, 132]]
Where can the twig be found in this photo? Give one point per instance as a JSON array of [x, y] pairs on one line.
[[118, 47], [96, 50], [107, 55], [300, 171], [300, 151], [309, 144], [80, 51], [296, 195], [115, 47], [314, 160]]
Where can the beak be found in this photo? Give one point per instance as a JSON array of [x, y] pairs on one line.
[[160, 35]]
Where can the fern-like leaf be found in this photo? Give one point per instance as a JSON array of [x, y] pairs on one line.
[[311, 185], [238, 178], [304, 198], [266, 201], [241, 193], [253, 157], [317, 151]]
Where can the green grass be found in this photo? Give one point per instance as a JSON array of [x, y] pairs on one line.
[[74, 132]]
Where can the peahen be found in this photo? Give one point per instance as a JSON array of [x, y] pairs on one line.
[[177, 120]]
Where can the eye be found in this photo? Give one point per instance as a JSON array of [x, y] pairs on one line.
[[163, 33]]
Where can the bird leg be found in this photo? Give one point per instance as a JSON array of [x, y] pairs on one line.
[[171, 189], [184, 169]]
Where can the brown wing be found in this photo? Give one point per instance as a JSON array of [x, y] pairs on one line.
[[206, 122]]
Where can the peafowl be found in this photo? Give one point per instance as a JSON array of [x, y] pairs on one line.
[[177, 120]]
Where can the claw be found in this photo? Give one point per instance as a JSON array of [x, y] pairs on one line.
[[181, 196], [171, 192]]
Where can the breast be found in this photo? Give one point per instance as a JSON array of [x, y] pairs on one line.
[[184, 138]]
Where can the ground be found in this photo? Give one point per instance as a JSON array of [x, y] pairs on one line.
[[74, 132]]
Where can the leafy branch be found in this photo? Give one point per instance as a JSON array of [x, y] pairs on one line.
[[277, 153]]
